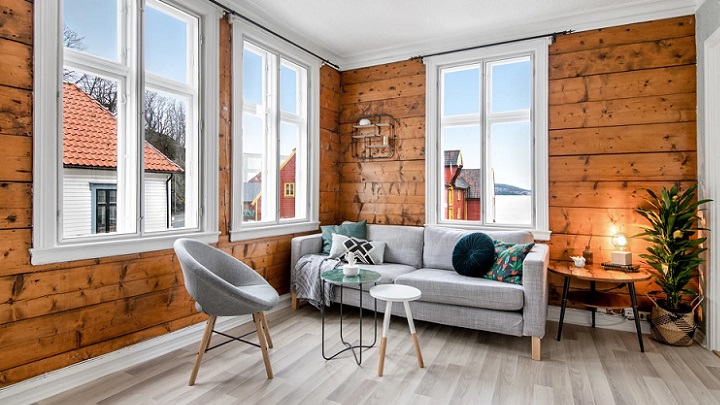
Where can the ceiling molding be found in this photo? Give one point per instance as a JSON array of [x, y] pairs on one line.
[[579, 21], [260, 16], [610, 17]]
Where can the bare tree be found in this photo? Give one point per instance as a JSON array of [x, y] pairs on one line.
[[104, 91], [72, 39]]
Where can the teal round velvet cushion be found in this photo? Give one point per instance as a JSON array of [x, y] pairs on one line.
[[473, 255]]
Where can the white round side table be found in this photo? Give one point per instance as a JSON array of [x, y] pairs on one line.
[[396, 293]]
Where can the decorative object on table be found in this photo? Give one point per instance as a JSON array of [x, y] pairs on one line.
[[587, 253], [675, 258], [578, 260], [350, 269], [620, 241], [628, 268]]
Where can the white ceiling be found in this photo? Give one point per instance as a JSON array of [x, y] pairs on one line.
[[355, 33]]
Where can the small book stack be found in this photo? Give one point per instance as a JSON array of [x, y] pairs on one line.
[[628, 268]]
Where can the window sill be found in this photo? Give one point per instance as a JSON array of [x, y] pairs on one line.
[[538, 234], [266, 231], [114, 247]]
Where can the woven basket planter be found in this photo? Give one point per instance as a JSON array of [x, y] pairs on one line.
[[677, 329]]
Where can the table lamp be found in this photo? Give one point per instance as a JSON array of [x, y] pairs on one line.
[[620, 241]]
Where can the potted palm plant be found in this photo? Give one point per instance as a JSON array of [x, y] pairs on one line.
[[675, 256]]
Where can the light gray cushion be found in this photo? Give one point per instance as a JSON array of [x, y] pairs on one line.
[[447, 287], [403, 244], [440, 242]]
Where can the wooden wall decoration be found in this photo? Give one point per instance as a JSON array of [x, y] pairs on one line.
[[56, 315]]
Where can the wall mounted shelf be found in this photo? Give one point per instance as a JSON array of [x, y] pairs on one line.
[[375, 140]]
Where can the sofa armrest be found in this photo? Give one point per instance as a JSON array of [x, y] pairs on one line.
[[535, 290], [299, 247]]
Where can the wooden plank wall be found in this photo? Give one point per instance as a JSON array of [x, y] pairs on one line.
[[622, 118], [384, 191], [56, 315]]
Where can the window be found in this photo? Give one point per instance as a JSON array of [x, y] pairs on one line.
[[276, 139], [104, 205], [289, 189], [487, 138], [126, 155]]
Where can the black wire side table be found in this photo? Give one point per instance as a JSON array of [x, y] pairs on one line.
[[337, 277]]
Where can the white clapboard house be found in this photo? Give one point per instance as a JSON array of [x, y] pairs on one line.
[[90, 175]]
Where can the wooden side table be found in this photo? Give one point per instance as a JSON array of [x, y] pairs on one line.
[[598, 299]]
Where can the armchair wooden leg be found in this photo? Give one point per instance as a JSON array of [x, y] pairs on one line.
[[266, 329], [257, 318], [204, 343], [294, 304], [536, 348]]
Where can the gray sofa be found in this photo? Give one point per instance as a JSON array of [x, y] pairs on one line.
[[422, 257]]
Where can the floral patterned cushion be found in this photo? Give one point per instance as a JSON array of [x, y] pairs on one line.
[[508, 264]]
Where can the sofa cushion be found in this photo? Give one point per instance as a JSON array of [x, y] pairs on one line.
[[403, 244], [448, 287], [439, 245], [365, 252], [353, 229], [508, 266], [473, 255], [440, 241]]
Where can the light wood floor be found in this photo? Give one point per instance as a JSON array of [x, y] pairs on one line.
[[461, 367]]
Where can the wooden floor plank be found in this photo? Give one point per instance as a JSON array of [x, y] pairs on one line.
[[461, 366]]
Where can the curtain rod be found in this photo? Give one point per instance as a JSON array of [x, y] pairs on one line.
[[553, 35], [268, 30]]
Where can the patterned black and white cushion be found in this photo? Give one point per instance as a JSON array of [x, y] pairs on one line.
[[361, 248]]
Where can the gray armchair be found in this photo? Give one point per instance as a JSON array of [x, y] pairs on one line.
[[224, 286]]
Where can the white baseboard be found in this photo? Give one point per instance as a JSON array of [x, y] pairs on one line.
[[605, 321], [58, 381]]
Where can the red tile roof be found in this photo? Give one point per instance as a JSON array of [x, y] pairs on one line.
[[90, 135]]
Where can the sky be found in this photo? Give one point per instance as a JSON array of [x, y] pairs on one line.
[[252, 91], [96, 21], [509, 143]]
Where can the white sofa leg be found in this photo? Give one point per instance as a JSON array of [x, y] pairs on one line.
[[536, 348]]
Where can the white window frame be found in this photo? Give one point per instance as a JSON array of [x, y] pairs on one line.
[[538, 49], [48, 246], [251, 230]]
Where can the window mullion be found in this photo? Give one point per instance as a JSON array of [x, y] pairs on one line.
[[486, 180], [130, 188]]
